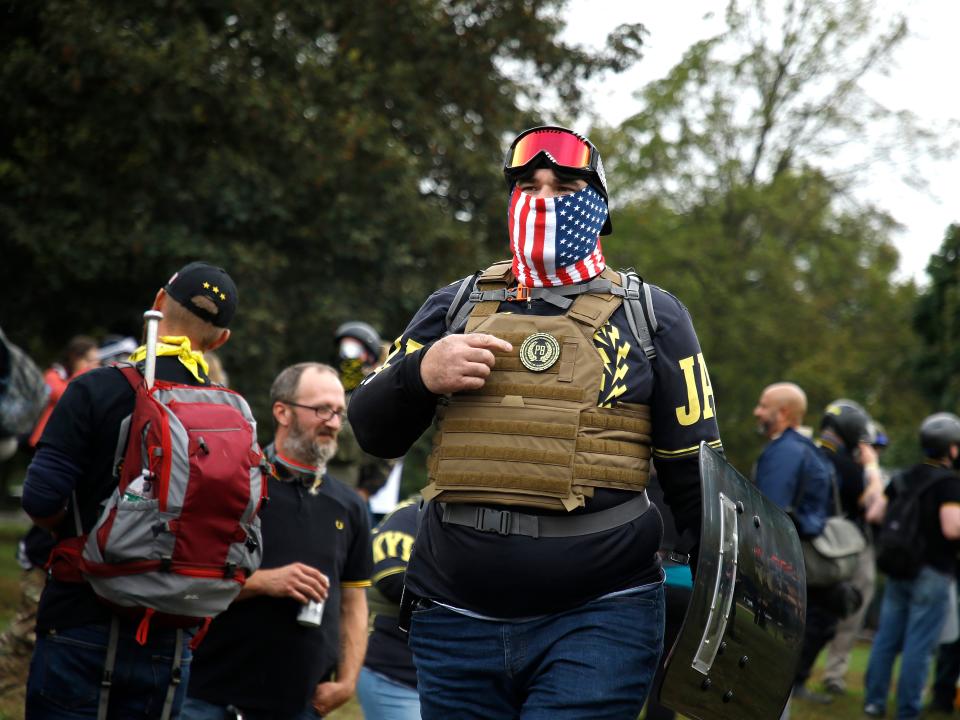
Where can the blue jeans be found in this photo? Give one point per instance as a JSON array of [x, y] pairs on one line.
[[67, 669], [911, 618], [594, 661], [194, 709], [384, 699]]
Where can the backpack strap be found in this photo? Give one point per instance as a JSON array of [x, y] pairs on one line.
[[814, 452], [174, 677], [132, 374], [638, 306], [108, 666], [903, 487], [459, 311]]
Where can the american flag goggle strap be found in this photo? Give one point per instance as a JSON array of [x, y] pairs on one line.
[[561, 146]]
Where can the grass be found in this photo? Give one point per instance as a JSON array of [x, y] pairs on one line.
[[11, 703], [9, 571], [845, 706]]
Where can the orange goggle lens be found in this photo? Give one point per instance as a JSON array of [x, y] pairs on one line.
[[563, 148]]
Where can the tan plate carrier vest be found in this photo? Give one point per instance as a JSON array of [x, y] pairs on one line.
[[538, 439]]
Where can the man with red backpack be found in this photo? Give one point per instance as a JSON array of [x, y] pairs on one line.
[[102, 644]]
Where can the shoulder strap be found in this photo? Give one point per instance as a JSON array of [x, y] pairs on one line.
[[638, 303], [497, 272], [925, 485], [469, 294], [131, 373], [801, 484], [459, 310]]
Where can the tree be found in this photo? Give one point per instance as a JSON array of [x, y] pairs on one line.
[[937, 321], [734, 203], [340, 159]]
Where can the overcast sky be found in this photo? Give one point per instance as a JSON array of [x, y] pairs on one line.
[[923, 81]]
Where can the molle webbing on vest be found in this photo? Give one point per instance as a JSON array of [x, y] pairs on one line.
[[625, 479], [512, 427], [612, 421], [538, 439], [513, 364], [553, 487], [613, 447], [529, 390], [511, 454]]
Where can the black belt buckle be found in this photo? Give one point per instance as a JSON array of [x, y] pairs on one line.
[[489, 520]]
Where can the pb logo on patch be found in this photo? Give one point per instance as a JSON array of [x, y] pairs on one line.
[[539, 351]]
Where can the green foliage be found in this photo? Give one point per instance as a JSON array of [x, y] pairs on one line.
[[339, 159], [938, 324]]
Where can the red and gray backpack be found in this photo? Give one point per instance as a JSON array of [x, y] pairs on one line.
[[181, 533]]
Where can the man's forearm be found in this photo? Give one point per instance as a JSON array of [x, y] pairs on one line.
[[353, 634]]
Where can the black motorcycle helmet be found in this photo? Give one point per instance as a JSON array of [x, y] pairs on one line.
[[847, 419], [938, 432], [360, 331]]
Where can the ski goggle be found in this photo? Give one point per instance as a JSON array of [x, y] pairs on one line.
[[562, 147]]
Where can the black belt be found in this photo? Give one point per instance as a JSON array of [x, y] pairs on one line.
[[510, 522]]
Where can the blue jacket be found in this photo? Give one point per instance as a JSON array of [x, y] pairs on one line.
[[783, 465]]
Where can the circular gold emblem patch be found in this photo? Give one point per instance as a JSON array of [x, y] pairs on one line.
[[539, 351]]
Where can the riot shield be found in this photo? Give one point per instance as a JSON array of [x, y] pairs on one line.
[[737, 651]]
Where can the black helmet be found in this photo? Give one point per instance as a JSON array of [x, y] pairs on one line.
[[362, 332], [938, 432], [847, 419]]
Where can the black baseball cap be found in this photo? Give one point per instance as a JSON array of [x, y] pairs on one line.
[[204, 280]]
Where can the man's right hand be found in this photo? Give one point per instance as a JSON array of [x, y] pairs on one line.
[[296, 580], [460, 362]]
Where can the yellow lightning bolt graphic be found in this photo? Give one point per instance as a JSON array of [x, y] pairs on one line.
[[621, 373]]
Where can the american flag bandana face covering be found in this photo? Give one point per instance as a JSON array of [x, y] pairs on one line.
[[556, 241]]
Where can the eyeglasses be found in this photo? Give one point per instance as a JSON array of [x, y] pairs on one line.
[[562, 147], [323, 412]]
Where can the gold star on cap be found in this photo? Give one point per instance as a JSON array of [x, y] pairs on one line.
[[223, 296], [216, 289], [206, 286]]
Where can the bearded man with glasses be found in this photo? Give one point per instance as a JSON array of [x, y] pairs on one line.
[[258, 657], [534, 586]]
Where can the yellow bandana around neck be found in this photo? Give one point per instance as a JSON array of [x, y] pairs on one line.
[[177, 346]]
